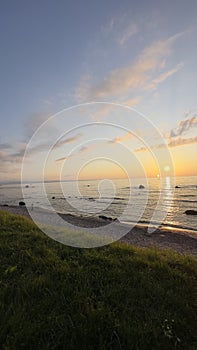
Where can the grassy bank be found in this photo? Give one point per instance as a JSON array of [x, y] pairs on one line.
[[115, 297]]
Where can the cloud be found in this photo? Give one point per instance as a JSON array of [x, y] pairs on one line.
[[102, 112], [120, 29], [140, 149], [108, 27], [184, 126], [182, 141], [132, 101], [10, 159], [61, 159], [47, 101], [84, 149], [42, 147], [123, 138], [5, 146], [171, 144], [10, 164], [35, 121], [144, 149], [133, 77], [17, 157], [163, 77], [174, 138], [131, 30], [12, 153], [67, 140], [81, 150], [2, 155], [83, 88]]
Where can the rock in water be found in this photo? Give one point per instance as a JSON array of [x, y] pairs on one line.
[[191, 212], [141, 187], [21, 204], [107, 218], [103, 217]]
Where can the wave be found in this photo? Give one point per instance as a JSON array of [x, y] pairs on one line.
[[11, 187], [165, 225]]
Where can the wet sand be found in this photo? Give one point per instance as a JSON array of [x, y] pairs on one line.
[[184, 242]]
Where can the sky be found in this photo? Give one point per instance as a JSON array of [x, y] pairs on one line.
[[101, 89]]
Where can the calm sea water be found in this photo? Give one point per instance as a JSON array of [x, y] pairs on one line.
[[158, 202]]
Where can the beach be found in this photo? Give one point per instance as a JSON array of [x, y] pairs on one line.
[[179, 240]]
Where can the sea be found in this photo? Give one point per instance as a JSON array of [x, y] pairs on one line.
[[159, 201]]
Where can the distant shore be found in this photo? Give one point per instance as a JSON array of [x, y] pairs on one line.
[[165, 238]]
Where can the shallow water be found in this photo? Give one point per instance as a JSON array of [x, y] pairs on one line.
[[159, 202]]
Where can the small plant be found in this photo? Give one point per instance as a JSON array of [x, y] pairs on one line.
[[168, 330]]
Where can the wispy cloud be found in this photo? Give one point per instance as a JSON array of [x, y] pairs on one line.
[[81, 150], [14, 153], [136, 76], [47, 102], [163, 77], [100, 113], [2, 155], [120, 29], [141, 149], [144, 149], [174, 137], [184, 126], [16, 157], [46, 146], [123, 138], [33, 123], [67, 140], [82, 90], [5, 146], [61, 159], [10, 164], [132, 101], [131, 30], [182, 141]]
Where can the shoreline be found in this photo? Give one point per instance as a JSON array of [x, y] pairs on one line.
[[179, 240]]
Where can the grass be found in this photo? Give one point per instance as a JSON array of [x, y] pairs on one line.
[[115, 297]]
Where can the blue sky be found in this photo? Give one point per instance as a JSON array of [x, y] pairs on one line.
[[57, 54]]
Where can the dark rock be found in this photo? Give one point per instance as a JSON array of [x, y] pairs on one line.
[[177, 186], [53, 197], [141, 187], [191, 212], [103, 217], [27, 186], [5, 205], [116, 219], [107, 218], [21, 204]]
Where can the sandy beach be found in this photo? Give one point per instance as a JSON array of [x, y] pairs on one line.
[[168, 238]]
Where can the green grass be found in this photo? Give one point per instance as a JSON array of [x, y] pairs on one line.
[[115, 297]]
